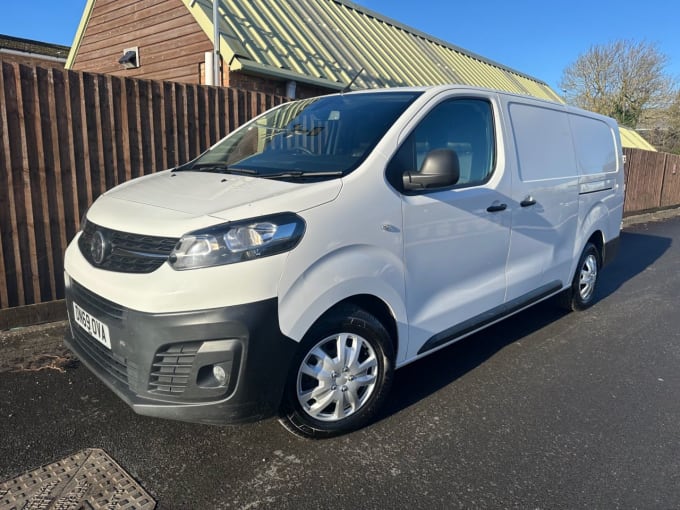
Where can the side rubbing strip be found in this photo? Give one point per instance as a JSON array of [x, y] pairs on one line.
[[493, 315], [594, 186]]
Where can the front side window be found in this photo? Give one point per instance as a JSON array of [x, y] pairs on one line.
[[464, 126], [318, 138]]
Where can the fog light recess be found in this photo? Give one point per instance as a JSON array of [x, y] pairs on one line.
[[213, 376]]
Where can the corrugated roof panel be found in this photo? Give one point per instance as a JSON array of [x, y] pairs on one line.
[[533, 88], [448, 63], [473, 76], [235, 26], [514, 79], [327, 39], [345, 60], [354, 40], [484, 72], [551, 93], [633, 140], [446, 73], [315, 27], [507, 80], [383, 41], [363, 37], [332, 21], [479, 71], [295, 50], [303, 55], [406, 52], [499, 78], [313, 40], [474, 73], [267, 34], [414, 67]]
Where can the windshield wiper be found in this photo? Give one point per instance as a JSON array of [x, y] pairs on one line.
[[295, 174], [288, 174], [222, 168]]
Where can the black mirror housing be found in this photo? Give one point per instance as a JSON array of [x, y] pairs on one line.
[[440, 169]]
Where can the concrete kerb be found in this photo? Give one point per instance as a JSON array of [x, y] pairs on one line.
[[647, 217]]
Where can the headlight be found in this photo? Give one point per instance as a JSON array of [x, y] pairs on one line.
[[238, 241]]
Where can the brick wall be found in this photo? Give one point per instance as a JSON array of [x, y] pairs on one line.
[[267, 85]]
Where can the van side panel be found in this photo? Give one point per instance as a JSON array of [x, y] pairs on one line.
[[544, 197]]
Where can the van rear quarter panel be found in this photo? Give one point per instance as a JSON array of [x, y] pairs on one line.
[[599, 156]]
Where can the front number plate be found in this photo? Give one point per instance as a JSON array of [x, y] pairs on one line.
[[94, 327]]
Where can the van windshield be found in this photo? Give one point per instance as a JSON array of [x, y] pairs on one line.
[[317, 138]]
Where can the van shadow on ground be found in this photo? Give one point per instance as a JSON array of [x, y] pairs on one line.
[[637, 252]]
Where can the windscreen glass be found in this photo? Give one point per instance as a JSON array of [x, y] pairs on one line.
[[323, 137]]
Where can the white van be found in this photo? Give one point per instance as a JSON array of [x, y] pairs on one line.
[[296, 264]]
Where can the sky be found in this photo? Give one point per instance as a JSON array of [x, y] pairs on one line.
[[538, 38]]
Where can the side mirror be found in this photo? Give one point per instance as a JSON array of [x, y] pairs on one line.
[[439, 170]]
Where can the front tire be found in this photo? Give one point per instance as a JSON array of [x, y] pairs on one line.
[[340, 376], [581, 294]]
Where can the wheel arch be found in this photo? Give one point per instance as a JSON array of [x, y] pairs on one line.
[[366, 276], [593, 229], [376, 307], [597, 239]]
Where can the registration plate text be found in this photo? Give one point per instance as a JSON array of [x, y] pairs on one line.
[[93, 326]]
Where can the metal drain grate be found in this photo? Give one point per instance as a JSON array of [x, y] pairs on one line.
[[87, 479]]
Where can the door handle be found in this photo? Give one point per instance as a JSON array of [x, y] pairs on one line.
[[495, 207], [528, 201]]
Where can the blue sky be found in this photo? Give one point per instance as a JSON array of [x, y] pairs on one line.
[[536, 37]]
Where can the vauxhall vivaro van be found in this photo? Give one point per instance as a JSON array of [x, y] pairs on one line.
[[297, 263]]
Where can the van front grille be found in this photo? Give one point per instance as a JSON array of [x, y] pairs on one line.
[[111, 363], [101, 307], [123, 252]]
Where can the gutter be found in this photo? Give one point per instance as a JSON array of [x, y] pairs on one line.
[[29, 54], [237, 64]]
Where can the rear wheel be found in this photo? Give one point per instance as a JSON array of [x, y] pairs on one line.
[[581, 294], [341, 375]]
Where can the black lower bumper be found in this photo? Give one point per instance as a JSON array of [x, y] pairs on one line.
[[162, 364]]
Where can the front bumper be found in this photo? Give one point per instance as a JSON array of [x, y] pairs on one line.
[[161, 364]]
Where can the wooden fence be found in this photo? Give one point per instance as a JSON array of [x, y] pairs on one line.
[[652, 180], [66, 137]]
